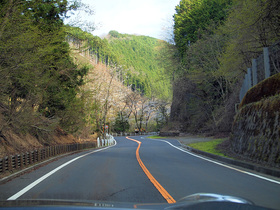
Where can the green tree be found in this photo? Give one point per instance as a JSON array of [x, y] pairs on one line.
[[115, 34], [39, 77], [251, 26], [139, 54], [121, 123], [202, 87], [223, 44], [193, 17], [161, 115]]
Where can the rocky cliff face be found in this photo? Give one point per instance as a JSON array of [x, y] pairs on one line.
[[181, 109], [256, 129], [193, 111]]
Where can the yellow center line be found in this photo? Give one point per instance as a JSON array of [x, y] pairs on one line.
[[160, 188]]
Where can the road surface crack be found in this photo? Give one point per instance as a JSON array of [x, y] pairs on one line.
[[122, 190]]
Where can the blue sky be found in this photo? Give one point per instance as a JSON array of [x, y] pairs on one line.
[[142, 17]]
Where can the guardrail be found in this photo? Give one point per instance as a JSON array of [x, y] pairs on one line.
[[19, 161], [108, 141], [266, 65], [135, 134]]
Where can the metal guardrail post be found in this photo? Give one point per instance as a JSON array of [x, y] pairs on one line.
[[249, 77], [6, 163], [1, 165], [19, 157], [10, 163], [19, 161], [36, 156], [260, 66], [27, 158], [31, 157], [15, 161], [42, 154], [24, 159], [38, 153], [48, 152], [254, 72], [266, 62]]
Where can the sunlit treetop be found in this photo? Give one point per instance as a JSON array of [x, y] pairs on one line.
[[194, 16]]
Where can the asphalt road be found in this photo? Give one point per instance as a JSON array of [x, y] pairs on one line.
[[114, 174]]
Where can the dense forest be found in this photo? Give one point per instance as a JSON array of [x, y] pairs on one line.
[[215, 41], [39, 80], [137, 56], [142, 53]]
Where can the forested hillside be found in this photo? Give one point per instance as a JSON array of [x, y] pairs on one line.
[[127, 85], [40, 83], [140, 55], [215, 42], [137, 55], [58, 80]]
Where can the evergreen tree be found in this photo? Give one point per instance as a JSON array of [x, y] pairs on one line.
[[193, 17], [121, 123], [39, 76]]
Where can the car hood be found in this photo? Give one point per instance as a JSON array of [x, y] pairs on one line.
[[194, 201]]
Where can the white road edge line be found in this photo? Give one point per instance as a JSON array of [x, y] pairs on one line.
[[221, 164], [33, 184]]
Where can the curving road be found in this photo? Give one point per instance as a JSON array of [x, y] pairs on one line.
[[114, 174]]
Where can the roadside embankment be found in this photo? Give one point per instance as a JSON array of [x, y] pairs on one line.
[[256, 128]]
